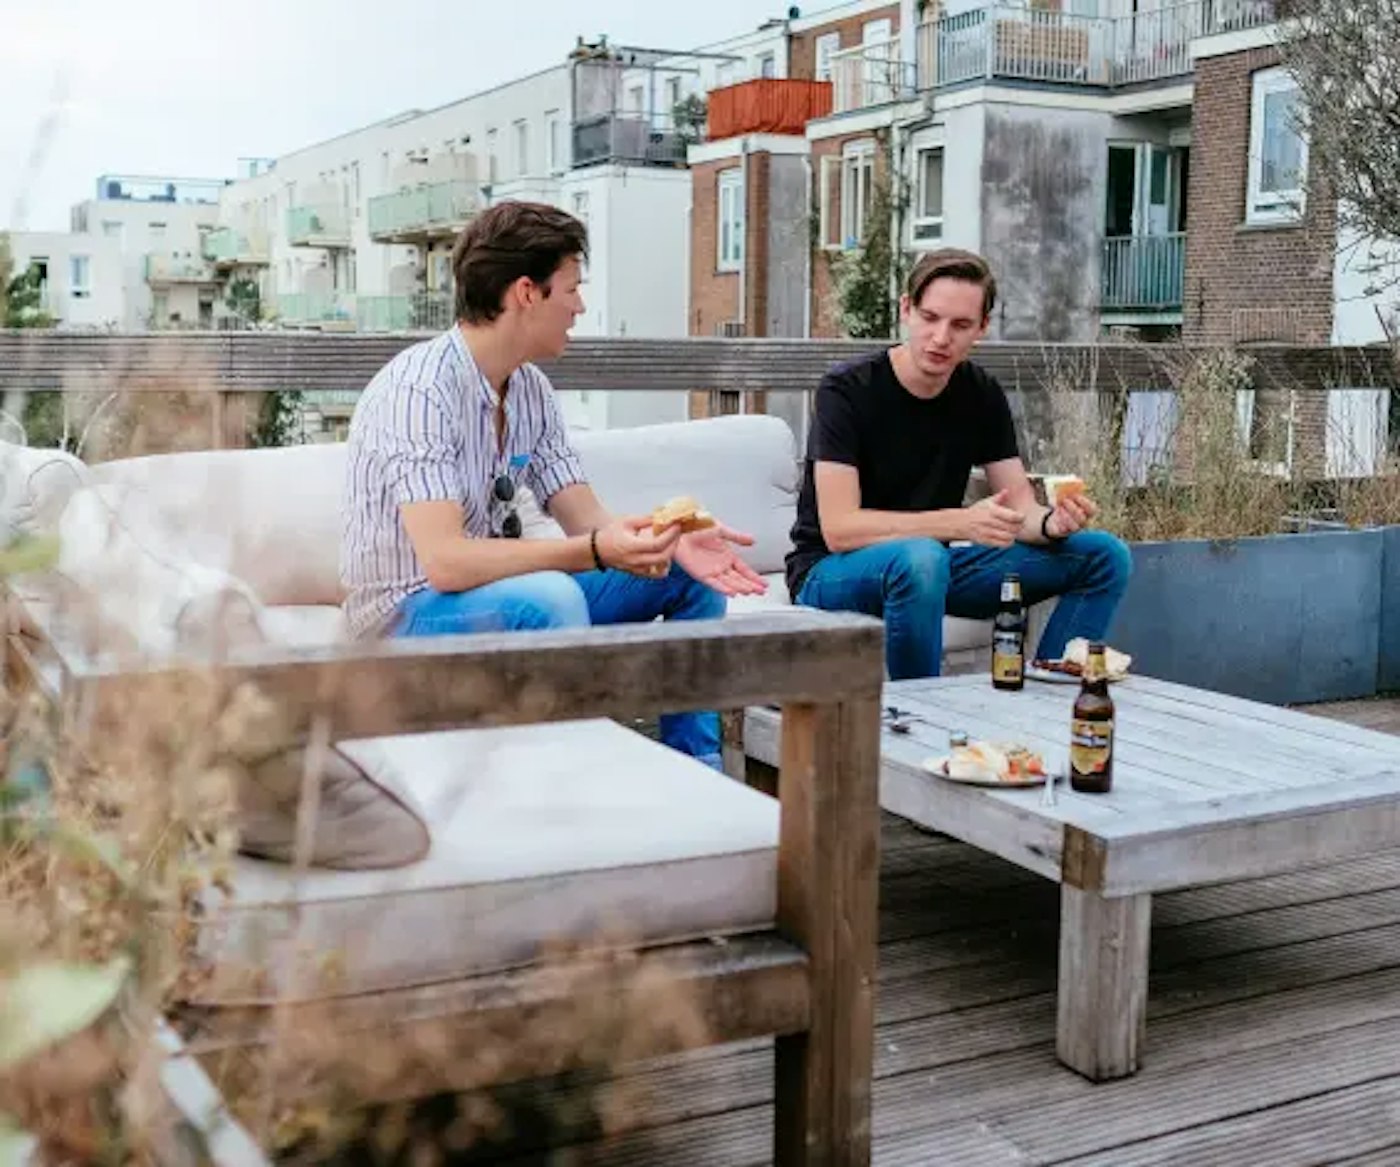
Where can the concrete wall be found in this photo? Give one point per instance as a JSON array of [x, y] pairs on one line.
[[1043, 176], [104, 305], [789, 239]]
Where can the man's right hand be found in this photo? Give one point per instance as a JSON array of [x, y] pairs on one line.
[[628, 544], [991, 523]]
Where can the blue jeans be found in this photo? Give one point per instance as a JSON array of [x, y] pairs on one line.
[[554, 599], [912, 583]]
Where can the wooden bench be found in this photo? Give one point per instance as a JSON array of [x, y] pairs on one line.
[[809, 980], [1207, 788]]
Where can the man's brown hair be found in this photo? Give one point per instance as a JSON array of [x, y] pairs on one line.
[[952, 263], [505, 242]]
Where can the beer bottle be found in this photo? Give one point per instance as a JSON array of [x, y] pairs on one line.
[[1009, 637], [1091, 730]]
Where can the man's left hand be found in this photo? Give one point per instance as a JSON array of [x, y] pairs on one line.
[[1074, 514], [709, 556]]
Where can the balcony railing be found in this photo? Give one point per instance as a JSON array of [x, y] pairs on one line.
[[419, 312], [1064, 48], [1143, 273], [438, 210], [631, 138], [870, 74], [318, 226], [319, 308], [169, 268], [228, 247]]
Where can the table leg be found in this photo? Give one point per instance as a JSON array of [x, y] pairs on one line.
[[1103, 982]]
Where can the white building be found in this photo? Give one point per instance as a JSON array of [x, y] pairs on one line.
[[158, 225], [80, 277]]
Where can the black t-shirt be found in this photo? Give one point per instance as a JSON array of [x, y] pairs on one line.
[[912, 454]]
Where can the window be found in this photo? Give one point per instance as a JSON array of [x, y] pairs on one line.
[[857, 191], [578, 207], [730, 228], [928, 205], [112, 228], [727, 75], [553, 141], [673, 95], [767, 65], [355, 188], [157, 230], [1278, 152], [491, 163], [79, 276], [636, 99], [827, 43], [522, 148]]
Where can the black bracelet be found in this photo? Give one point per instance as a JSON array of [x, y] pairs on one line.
[[593, 546], [1045, 529]]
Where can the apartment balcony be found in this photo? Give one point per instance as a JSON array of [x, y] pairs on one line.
[[1030, 45], [870, 74], [766, 105], [229, 248], [418, 312], [425, 213], [318, 225], [324, 310], [636, 139], [164, 269], [1143, 274]]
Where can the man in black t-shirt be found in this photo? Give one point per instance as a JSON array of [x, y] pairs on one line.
[[881, 527]]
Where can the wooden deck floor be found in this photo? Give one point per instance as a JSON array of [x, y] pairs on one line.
[[1273, 1031]]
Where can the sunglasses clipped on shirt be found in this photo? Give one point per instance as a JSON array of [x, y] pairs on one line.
[[504, 491]]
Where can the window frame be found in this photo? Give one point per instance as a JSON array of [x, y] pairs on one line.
[[730, 215], [1286, 205], [857, 163], [927, 229]]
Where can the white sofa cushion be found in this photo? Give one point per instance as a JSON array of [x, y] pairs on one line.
[[570, 833], [35, 485], [270, 517]]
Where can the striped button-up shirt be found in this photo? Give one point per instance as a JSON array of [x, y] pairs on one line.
[[423, 431]]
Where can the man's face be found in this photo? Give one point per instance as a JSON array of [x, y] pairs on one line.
[[944, 325], [548, 318]]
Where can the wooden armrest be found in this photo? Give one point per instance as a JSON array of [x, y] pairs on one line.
[[388, 687]]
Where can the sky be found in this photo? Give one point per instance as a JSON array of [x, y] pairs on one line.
[[160, 87]]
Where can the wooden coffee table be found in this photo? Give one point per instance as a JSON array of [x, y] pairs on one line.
[[1206, 788]]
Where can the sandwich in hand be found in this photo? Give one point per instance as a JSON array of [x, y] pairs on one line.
[[684, 512], [1059, 487]]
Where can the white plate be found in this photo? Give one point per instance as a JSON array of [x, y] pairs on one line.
[[1051, 677], [938, 765]]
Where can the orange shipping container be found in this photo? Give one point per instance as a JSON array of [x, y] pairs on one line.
[[769, 105]]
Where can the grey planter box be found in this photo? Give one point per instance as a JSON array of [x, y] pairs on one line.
[[1281, 618], [1388, 667]]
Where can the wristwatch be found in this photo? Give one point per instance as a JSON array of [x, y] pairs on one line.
[[1045, 529]]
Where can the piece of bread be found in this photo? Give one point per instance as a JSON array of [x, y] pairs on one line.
[[1059, 487], [999, 762], [1117, 663], [685, 511]]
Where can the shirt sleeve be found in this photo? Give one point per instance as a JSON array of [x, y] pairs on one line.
[[834, 435], [998, 428], [554, 463], [420, 450]]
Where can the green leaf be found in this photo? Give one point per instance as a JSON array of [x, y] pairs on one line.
[[46, 1002], [29, 553]]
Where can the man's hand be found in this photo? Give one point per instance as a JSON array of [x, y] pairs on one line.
[[991, 523], [1073, 514], [709, 556], [629, 545]]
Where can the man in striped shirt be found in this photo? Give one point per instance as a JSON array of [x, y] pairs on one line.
[[449, 430]]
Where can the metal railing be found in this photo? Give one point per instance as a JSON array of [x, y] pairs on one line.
[[870, 74], [648, 140], [1065, 48], [1143, 273], [417, 312], [438, 207]]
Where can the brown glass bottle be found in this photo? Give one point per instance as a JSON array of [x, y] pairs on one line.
[[1091, 729], [1009, 637]]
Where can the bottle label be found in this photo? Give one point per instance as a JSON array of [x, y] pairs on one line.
[[1008, 656], [1090, 746]]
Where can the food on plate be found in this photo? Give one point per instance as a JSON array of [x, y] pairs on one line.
[[1059, 487], [683, 511], [1077, 656], [1001, 762]]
